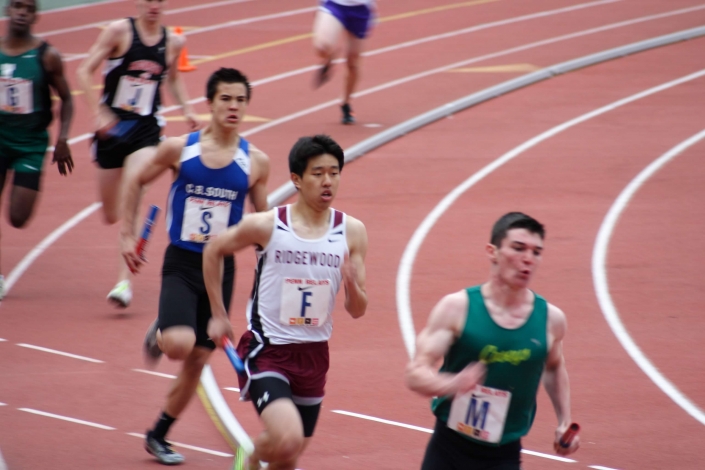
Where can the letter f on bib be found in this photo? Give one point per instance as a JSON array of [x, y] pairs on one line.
[[305, 303]]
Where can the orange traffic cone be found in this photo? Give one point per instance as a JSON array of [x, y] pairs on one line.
[[183, 64]]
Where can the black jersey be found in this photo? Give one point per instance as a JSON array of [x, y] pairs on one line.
[[133, 81]]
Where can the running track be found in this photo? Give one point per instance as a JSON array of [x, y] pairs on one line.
[[570, 181]]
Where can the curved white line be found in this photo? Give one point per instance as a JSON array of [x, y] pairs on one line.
[[599, 276], [406, 321]]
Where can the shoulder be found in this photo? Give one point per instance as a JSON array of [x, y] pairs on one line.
[[557, 322], [257, 155], [356, 232], [260, 222], [51, 58], [450, 312], [173, 145], [118, 28], [175, 40]]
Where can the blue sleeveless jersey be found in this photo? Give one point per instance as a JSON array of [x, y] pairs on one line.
[[203, 202]]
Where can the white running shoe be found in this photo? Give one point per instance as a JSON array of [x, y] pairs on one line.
[[121, 295], [2, 287]]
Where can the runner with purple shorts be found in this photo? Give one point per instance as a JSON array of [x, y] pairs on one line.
[[353, 18]]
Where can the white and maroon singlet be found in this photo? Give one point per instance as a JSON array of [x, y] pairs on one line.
[[296, 281]]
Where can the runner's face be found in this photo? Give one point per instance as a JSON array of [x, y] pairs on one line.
[[518, 257], [22, 14], [151, 10], [229, 105], [320, 181]]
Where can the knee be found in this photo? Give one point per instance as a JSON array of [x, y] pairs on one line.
[[19, 220], [288, 447], [177, 348], [353, 63]]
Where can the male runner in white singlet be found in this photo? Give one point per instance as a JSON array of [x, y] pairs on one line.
[[305, 252]]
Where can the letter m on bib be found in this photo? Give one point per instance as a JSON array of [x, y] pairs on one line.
[[477, 414]]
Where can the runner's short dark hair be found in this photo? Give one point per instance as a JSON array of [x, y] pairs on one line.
[[515, 220], [307, 148], [226, 75]]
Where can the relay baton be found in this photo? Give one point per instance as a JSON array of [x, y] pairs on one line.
[[146, 231], [232, 355], [567, 438]]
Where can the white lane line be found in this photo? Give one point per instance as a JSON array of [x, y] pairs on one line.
[[158, 374], [187, 446], [406, 265], [383, 421], [2, 340], [430, 431], [66, 418], [599, 276], [97, 24], [22, 266], [3, 465], [403, 45], [599, 467], [417, 76], [59, 353], [254, 19], [3, 404], [231, 389]]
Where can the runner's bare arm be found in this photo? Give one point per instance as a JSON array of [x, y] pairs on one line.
[[253, 229], [176, 84], [166, 157], [555, 377], [445, 325], [260, 173], [107, 45], [353, 268], [55, 70]]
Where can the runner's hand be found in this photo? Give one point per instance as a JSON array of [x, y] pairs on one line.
[[62, 157], [193, 122], [219, 327], [466, 379], [129, 253], [575, 445]]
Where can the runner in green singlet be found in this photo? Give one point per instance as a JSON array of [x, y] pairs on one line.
[[28, 68], [498, 341]]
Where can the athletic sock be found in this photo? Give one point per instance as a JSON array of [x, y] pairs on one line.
[[162, 426]]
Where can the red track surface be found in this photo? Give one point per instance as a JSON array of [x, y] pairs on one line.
[[569, 181]]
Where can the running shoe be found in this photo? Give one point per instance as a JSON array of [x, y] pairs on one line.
[[150, 347], [162, 450], [121, 295], [322, 76], [348, 116], [2, 287]]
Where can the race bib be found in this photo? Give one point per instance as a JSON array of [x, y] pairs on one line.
[[16, 95], [135, 95], [305, 302], [480, 413], [204, 219]]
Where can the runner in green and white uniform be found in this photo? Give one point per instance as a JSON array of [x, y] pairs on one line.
[[28, 68], [497, 341]]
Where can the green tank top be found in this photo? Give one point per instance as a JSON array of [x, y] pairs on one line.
[[515, 361], [25, 100]]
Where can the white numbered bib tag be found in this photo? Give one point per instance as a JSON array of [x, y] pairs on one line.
[[16, 95], [135, 94], [204, 219], [480, 413], [305, 302]]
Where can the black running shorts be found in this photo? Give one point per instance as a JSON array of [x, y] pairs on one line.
[[183, 300], [448, 450], [129, 137]]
